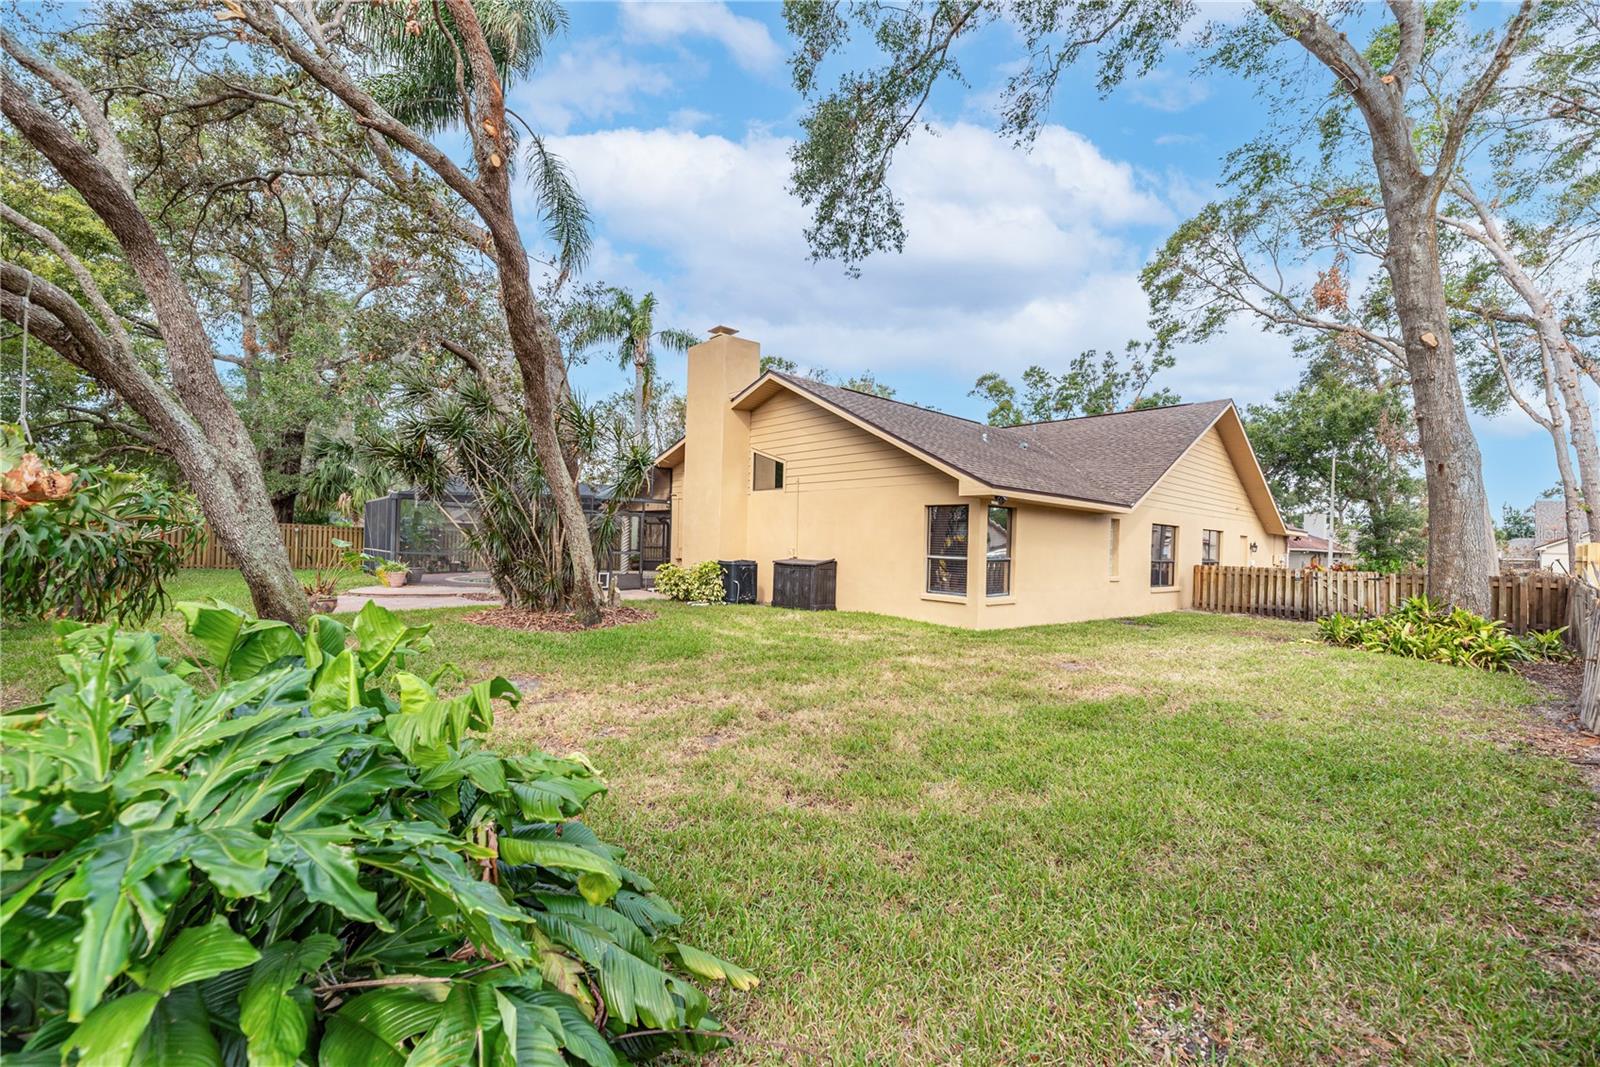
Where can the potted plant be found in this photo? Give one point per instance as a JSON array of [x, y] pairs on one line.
[[392, 573], [323, 588]]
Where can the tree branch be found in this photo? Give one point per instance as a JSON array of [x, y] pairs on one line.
[[80, 274], [57, 320], [107, 147], [497, 396], [1471, 100], [1412, 21]]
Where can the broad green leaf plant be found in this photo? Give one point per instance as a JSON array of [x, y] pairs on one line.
[[103, 550], [1422, 629], [292, 850]]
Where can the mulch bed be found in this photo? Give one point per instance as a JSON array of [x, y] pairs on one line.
[[556, 622], [1555, 730]]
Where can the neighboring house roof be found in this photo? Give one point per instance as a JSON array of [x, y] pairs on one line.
[[1112, 460], [1520, 548], [1549, 521], [1304, 542]]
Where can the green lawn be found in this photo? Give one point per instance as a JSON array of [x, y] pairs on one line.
[[1106, 842]]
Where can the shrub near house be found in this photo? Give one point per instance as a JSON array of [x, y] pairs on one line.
[[307, 851], [699, 584]]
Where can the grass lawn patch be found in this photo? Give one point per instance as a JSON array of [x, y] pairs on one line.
[[1195, 836]]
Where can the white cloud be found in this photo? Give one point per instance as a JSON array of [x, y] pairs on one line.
[[1011, 258], [590, 81], [746, 39], [688, 118], [1166, 90]]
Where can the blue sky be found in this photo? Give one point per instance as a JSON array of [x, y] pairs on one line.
[[676, 119]]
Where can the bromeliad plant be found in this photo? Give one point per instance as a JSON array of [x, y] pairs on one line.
[[284, 852], [1421, 629]]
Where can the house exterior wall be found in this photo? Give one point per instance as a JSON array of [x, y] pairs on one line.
[[851, 496], [1553, 556], [711, 520], [1062, 557]]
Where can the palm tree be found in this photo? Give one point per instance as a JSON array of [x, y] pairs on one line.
[[615, 317]]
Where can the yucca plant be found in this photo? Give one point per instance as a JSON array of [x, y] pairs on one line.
[[291, 850], [460, 434]]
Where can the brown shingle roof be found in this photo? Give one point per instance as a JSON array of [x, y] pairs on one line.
[[1107, 459], [1549, 521], [1312, 543]]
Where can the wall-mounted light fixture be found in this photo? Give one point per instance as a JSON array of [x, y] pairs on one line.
[[999, 501], [1252, 548]]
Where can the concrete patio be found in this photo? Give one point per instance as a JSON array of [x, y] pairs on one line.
[[471, 589]]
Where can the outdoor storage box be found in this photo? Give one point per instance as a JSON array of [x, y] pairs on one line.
[[738, 580], [807, 584]]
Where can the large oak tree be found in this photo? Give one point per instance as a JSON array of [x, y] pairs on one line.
[[194, 417], [842, 166]]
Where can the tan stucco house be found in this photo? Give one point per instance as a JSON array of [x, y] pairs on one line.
[[934, 517]]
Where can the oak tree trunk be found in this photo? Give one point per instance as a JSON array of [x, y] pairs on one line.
[[219, 462], [1461, 551], [1461, 554]]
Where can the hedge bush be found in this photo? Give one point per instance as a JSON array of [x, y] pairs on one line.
[[292, 850], [701, 583]]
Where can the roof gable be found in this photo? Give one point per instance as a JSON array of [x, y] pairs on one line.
[[1112, 460]]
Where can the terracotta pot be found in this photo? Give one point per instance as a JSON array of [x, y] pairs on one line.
[[394, 579], [322, 605]]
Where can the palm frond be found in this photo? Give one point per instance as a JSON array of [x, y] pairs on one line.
[[419, 83], [565, 215], [677, 340]]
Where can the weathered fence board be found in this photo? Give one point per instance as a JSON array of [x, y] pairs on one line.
[[1583, 636], [309, 545], [1536, 601]]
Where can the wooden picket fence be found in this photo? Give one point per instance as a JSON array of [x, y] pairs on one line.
[[309, 545], [1532, 601]]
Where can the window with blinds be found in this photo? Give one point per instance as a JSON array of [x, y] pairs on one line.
[[997, 565], [947, 549], [1163, 561], [1211, 546]]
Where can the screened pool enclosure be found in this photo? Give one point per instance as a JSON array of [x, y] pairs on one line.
[[428, 535], [432, 535]]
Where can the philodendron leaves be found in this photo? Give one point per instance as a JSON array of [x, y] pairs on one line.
[[278, 854]]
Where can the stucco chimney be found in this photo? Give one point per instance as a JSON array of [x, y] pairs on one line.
[[717, 447]]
